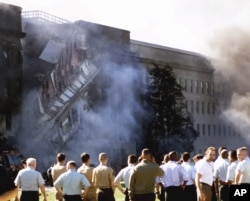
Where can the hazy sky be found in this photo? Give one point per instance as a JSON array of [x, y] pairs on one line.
[[182, 24]]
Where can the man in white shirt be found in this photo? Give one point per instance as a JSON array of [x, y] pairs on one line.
[[71, 183], [124, 175], [190, 189], [204, 175], [243, 168], [174, 179], [232, 156], [220, 177]]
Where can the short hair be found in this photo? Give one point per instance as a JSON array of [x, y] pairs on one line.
[[220, 149], [102, 156], [210, 149], [233, 154], [61, 157], [166, 158], [71, 163], [185, 156], [242, 149], [173, 156], [24, 161], [30, 161], [85, 157], [132, 159], [146, 151], [198, 157]]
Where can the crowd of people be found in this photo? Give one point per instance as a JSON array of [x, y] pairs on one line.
[[176, 179]]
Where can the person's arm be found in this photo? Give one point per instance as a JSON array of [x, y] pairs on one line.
[[118, 179], [237, 177], [201, 194], [131, 185], [42, 188]]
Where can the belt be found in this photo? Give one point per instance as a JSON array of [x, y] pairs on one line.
[[103, 187], [206, 184]]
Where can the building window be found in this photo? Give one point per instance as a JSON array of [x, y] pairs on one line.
[[198, 128], [204, 129], [208, 130], [196, 86], [219, 130], [203, 107], [208, 107], [197, 107], [214, 130], [191, 86], [192, 106]]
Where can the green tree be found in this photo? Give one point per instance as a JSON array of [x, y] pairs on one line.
[[168, 125]]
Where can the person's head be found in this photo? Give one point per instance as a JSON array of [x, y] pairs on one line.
[[103, 158], [221, 149], [173, 156], [232, 156], [165, 158], [146, 154], [71, 165], [24, 163], [60, 157], [197, 157], [242, 153], [31, 162], [210, 154], [185, 156], [85, 157], [224, 154], [132, 159]]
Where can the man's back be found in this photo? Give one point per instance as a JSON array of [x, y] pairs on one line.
[[57, 170]]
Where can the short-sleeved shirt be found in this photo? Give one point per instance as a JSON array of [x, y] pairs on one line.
[[190, 170], [174, 174], [29, 179], [103, 176], [87, 171], [72, 182], [124, 175], [205, 168], [244, 168], [220, 170], [143, 177], [57, 170], [231, 171]]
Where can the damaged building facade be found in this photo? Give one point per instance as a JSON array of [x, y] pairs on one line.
[[62, 64], [10, 71]]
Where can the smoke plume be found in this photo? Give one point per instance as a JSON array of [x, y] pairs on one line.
[[231, 47]]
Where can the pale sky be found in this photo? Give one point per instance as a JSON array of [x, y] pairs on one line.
[[182, 24]]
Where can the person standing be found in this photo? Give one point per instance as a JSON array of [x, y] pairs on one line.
[[220, 177], [243, 168], [204, 175], [30, 180], [189, 192], [58, 169], [174, 179], [71, 183], [87, 171], [143, 178], [232, 156], [124, 175], [103, 179]]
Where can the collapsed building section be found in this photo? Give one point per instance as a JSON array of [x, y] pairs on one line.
[[10, 69]]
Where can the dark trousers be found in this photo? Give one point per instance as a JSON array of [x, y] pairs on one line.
[[126, 195], [174, 193], [72, 198], [189, 193], [224, 193], [105, 194], [29, 196], [144, 197]]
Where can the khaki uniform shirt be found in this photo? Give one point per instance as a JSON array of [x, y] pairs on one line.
[[143, 178], [57, 170], [103, 177], [88, 172]]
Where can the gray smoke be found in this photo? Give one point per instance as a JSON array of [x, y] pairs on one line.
[[231, 47]]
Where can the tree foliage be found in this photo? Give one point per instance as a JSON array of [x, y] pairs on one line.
[[169, 126]]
